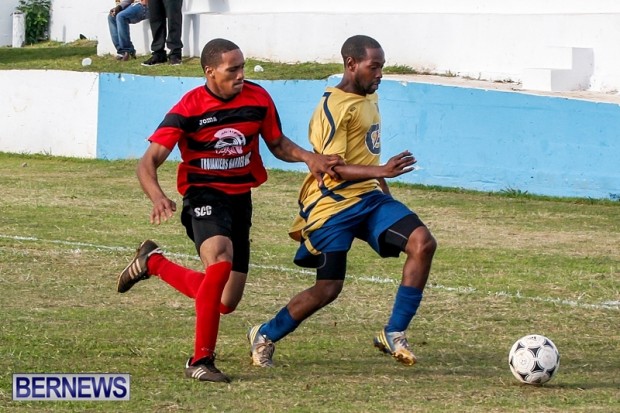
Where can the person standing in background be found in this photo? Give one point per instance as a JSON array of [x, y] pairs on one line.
[[166, 21], [125, 13]]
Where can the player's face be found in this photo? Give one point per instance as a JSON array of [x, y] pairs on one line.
[[369, 71], [226, 79]]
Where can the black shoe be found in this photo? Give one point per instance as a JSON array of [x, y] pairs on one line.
[[136, 270], [175, 60], [205, 370], [154, 60], [127, 56]]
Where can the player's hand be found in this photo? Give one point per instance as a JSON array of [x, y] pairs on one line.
[[399, 164], [163, 210], [115, 10], [320, 165]]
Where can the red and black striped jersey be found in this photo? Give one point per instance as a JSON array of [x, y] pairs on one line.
[[219, 139]]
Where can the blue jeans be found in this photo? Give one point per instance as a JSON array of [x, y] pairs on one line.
[[119, 26]]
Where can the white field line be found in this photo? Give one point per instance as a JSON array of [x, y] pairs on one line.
[[605, 305]]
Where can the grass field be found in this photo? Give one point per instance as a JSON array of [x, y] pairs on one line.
[[506, 266], [68, 56]]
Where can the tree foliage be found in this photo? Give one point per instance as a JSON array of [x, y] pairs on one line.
[[37, 19]]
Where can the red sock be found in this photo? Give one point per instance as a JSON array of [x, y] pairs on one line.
[[224, 309], [183, 279], [208, 300]]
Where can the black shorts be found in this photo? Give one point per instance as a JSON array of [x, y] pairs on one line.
[[208, 212], [393, 241]]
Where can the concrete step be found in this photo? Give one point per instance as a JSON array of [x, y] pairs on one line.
[[566, 69]]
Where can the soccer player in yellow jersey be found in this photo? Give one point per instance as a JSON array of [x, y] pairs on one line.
[[355, 203]]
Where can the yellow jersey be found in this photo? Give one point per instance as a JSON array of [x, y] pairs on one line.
[[342, 124]]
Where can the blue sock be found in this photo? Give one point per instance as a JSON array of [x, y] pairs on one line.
[[279, 326], [406, 304]]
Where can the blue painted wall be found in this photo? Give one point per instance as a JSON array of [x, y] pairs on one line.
[[494, 140], [469, 138], [130, 109]]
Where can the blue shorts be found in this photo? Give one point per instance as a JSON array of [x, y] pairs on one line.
[[367, 220]]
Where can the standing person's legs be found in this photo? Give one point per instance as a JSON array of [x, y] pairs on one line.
[[174, 13], [157, 21]]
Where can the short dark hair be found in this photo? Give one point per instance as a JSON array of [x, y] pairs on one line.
[[355, 47], [212, 52]]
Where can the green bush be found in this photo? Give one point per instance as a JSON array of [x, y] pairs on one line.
[[37, 19]]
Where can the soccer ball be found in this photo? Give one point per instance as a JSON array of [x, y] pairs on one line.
[[534, 359]]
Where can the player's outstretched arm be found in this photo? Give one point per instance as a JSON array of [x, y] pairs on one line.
[[395, 166], [163, 207], [318, 164]]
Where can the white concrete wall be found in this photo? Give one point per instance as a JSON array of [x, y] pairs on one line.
[[72, 18], [497, 47], [407, 6], [481, 39], [7, 7], [50, 112]]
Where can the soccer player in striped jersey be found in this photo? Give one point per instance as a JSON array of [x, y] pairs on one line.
[[354, 204], [217, 129]]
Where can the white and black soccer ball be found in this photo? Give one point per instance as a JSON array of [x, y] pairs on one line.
[[534, 359]]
